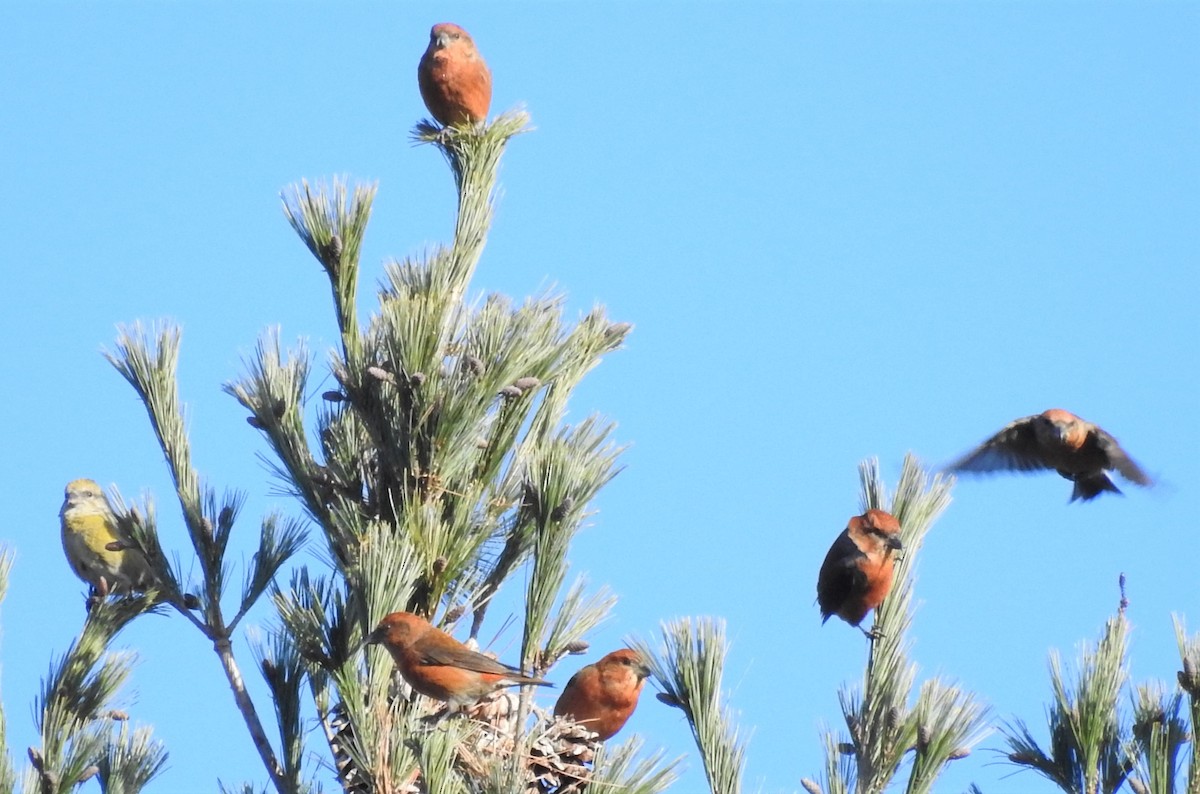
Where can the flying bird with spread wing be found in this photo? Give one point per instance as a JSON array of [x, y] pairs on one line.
[[1059, 440]]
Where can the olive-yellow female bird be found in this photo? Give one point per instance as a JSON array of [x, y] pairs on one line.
[[88, 527]]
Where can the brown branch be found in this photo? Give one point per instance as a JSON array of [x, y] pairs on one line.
[[224, 649]]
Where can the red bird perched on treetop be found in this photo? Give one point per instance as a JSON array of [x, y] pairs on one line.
[[455, 82], [1059, 440], [602, 696], [439, 666], [857, 573]]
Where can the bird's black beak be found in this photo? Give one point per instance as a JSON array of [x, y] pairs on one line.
[[374, 637], [442, 40], [894, 543]]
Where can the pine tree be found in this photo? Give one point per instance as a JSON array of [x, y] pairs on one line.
[[438, 471]]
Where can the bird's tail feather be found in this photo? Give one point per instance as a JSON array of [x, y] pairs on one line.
[[1090, 486]]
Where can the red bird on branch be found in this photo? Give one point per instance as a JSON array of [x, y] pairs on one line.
[[439, 666], [455, 82], [1059, 440], [602, 696], [857, 573]]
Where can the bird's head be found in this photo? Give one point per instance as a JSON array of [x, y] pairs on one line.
[[446, 33], [627, 658], [882, 528], [398, 630], [83, 494], [1056, 424]]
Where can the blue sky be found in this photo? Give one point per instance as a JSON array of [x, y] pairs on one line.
[[841, 231]]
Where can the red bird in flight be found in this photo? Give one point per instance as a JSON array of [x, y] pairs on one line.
[[857, 573], [439, 666], [454, 80], [602, 696], [1058, 440]]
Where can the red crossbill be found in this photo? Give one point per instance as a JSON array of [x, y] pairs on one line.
[[1059, 440], [455, 82], [439, 666], [857, 573], [89, 529], [603, 695]]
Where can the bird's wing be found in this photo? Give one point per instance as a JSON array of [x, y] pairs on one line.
[[840, 576], [572, 694], [1117, 459], [133, 563], [465, 658], [1014, 448]]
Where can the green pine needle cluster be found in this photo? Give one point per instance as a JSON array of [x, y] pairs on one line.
[[688, 665], [82, 734], [1096, 745]]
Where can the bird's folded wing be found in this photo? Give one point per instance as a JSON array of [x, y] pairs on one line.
[[467, 660]]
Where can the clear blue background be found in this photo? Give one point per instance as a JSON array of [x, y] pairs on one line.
[[841, 231]]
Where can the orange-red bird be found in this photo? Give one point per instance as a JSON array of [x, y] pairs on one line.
[[857, 573], [1059, 440], [439, 666], [455, 82], [602, 696]]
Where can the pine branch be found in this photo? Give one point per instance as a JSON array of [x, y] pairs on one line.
[[139, 523], [622, 768], [563, 476], [131, 760], [688, 666], [949, 722], [439, 757], [840, 767], [474, 158], [1159, 735], [332, 226], [150, 367], [1088, 744], [576, 617], [8, 778], [241, 788], [74, 711], [1189, 682], [283, 670], [280, 539]]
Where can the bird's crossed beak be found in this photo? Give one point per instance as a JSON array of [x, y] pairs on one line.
[[894, 543], [374, 638], [442, 40]]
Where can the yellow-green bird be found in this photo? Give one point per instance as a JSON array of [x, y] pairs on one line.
[[88, 527]]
